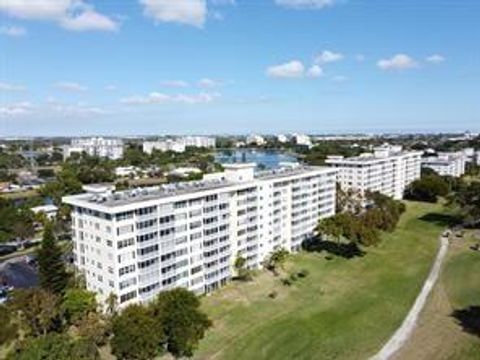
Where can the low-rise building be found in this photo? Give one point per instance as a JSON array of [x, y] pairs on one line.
[[124, 171], [138, 243], [49, 210], [388, 170]]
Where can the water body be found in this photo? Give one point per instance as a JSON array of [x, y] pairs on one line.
[[270, 159]]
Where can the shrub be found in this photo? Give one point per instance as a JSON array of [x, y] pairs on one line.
[[303, 273], [273, 294], [286, 281]]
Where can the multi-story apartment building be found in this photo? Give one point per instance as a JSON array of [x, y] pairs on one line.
[[447, 163], [199, 141], [387, 170], [178, 144], [96, 146], [255, 140], [302, 140], [137, 243]]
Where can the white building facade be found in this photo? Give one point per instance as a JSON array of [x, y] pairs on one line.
[[388, 170], [110, 148], [179, 144], [255, 140], [447, 163], [138, 243]]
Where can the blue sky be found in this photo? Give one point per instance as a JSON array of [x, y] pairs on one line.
[[79, 67]]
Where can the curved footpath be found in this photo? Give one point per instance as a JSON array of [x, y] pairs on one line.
[[405, 330]]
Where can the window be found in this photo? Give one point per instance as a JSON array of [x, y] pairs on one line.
[[128, 296], [124, 243]]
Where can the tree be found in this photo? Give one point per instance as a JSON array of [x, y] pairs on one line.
[[136, 334], [46, 347], [94, 328], [8, 329], [51, 268], [467, 198], [37, 310], [277, 258], [54, 346], [427, 189], [240, 266], [183, 323], [78, 303], [111, 304]]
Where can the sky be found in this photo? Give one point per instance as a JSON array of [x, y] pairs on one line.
[[148, 67]]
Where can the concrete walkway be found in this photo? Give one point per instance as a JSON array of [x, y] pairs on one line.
[[405, 330]]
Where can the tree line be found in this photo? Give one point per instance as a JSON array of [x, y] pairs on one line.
[[363, 227]]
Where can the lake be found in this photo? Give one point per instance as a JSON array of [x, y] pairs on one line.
[[269, 158]]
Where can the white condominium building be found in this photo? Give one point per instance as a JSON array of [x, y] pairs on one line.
[[178, 144], [199, 141], [96, 146], [302, 140], [256, 140], [164, 145], [387, 170], [137, 243], [447, 164]]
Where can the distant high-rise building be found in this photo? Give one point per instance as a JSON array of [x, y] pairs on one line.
[[179, 144], [282, 138], [111, 148], [387, 170], [447, 163], [255, 140]]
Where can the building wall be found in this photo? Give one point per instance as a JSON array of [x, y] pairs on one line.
[[192, 241], [388, 175]]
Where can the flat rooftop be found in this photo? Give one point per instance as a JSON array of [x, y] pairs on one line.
[[125, 197]]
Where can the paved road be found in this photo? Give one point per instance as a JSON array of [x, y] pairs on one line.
[[406, 329]]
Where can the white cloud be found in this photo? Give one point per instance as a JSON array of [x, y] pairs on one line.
[[175, 83], [13, 31], [89, 20], [397, 62], [79, 110], [161, 98], [110, 87], [16, 109], [11, 87], [70, 86], [292, 69], [71, 14], [208, 83], [190, 12], [305, 4], [327, 56], [315, 71], [435, 59]]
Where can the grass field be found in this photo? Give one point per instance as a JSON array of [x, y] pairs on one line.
[[344, 309], [440, 335]]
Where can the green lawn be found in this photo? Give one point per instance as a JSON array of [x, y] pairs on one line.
[[345, 309], [461, 277]]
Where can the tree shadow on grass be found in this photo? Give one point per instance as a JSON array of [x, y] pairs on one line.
[[344, 250], [468, 319], [444, 220]]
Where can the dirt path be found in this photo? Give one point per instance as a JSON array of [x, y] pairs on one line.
[[404, 332]]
